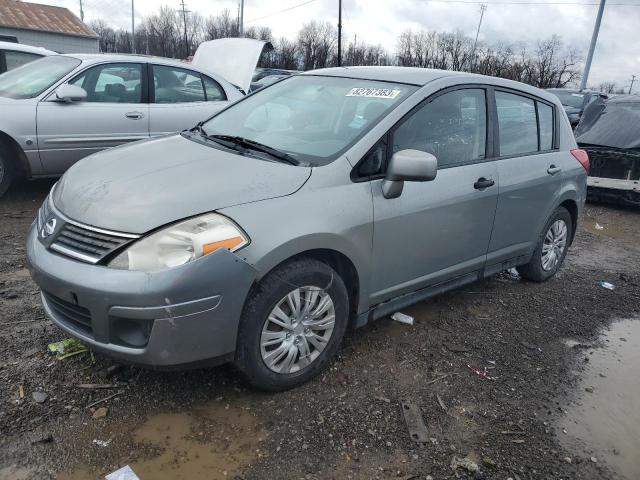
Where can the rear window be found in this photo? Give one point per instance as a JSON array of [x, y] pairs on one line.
[[525, 125], [517, 124]]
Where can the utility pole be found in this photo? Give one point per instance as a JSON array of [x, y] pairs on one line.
[[483, 7], [339, 32], [81, 11], [133, 28], [592, 47], [633, 79], [184, 19], [241, 20]]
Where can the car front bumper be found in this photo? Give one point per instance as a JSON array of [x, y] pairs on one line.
[[176, 317]]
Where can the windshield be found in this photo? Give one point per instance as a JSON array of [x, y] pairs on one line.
[[311, 118], [569, 99], [32, 79]]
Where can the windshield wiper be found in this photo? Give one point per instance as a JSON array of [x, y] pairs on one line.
[[260, 147]]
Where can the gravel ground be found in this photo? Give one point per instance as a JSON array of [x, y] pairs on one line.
[[347, 423]]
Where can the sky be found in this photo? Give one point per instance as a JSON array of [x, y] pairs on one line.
[[616, 58]]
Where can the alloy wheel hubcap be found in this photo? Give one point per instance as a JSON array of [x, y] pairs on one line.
[[554, 244], [297, 330]]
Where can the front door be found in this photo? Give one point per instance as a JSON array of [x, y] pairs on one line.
[[181, 98], [441, 229], [112, 114]]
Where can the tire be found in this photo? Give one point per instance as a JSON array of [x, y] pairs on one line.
[[7, 171], [257, 328], [536, 270]]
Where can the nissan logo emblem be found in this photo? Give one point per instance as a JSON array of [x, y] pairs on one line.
[[49, 228]]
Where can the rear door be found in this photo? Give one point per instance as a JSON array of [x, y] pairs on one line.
[[437, 230], [114, 112], [530, 170], [180, 98]]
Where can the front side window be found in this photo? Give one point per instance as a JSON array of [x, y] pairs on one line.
[[112, 83], [33, 78], [452, 126], [312, 118], [177, 85], [517, 124], [17, 59]]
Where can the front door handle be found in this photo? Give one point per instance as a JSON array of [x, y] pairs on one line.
[[552, 170], [134, 115], [483, 183]]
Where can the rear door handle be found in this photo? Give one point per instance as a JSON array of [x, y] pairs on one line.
[[134, 115], [483, 183], [552, 170]]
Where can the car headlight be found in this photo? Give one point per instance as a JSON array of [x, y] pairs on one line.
[[181, 243]]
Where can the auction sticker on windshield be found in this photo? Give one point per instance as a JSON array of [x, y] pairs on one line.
[[373, 92]]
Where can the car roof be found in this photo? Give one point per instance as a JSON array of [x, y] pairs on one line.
[[625, 99], [19, 47], [126, 57], [573, 90]]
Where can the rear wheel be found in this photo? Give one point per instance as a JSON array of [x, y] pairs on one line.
[[551, 248], [7, 172], [292, 325]]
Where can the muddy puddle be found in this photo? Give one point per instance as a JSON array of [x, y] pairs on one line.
[[216, 441], [604, 421]]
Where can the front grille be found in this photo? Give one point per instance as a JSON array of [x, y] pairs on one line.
[[73, 315], [85, 244]]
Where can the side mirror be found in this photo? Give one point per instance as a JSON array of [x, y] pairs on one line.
[[410, 166], [70, 93]]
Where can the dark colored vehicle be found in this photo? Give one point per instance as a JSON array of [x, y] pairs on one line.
[[610, 132], [575, 101], [266, 76]]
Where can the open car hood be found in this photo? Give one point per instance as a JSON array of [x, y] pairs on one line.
[[234, 59]]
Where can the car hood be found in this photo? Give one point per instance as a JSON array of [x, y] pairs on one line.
[[142, 186], [234, 59]]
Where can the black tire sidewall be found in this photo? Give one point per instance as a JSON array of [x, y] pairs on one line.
[[7, 178], [261, 302], [533, 270]]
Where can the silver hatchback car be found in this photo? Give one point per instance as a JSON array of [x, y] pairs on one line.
[[326, 200]]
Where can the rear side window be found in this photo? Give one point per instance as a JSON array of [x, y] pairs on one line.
[[545, 122], [177, 85], [213, 90], [517, 124], [453, 127]]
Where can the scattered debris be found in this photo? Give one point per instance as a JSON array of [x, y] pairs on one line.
[[607, 285], [599, 227], [111, 370], [456, 348], [67, 348], [100, 412], [437, 379], [415, 423], [93, 404], [594, 459], [383, 399], [441, 403], [21, 391], [465, 463], [96, 386], [567, 459], [39, 396], [124, 473], [517, 440], [402, 318], [589, 389], [43, 438], [102, 443], [484, 373]]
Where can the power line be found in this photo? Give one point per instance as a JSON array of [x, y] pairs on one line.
[[281, 11], [480, 2]]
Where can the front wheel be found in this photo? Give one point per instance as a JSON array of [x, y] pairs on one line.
[[292, 325], [551, 248]]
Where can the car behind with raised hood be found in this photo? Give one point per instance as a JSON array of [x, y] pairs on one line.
[[327, 200], [61, 108]]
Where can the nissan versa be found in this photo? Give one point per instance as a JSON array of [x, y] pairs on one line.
[[326, 200]]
